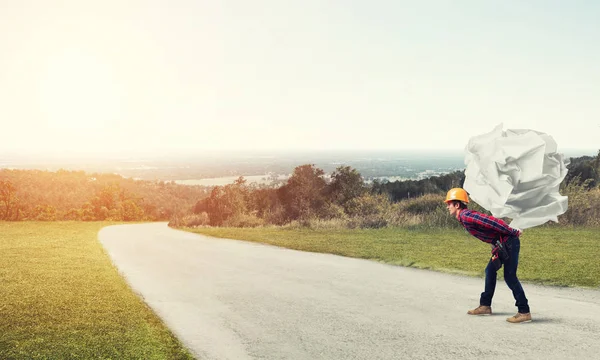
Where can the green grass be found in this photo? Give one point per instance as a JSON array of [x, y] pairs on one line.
[[61, 298], [549, 255]]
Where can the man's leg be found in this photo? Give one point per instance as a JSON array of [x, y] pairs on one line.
[[490, 285], [510, 276], [485, 302]]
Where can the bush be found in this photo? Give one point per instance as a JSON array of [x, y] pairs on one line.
[[243, 221], [73, 214], [333, 211], [368, 204], [377, 211], [425, 204], [583, 205], [374, 211], [192, 220], [44, 213], [277, 216], [426, 211], [440, 218]]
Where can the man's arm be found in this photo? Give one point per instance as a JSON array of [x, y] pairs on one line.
[[490, 222]]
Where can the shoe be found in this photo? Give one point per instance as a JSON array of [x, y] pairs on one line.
[[519, 318], [481, 310]]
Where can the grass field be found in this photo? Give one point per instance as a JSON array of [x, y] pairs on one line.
[[549, 255], [61, 298]]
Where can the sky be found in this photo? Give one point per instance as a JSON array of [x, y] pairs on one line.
[[191, 76]]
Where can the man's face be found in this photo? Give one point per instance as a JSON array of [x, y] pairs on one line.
[[452, 208]]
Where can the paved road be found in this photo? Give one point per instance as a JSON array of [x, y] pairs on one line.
[[237, 300]]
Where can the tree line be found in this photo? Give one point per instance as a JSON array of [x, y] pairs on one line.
[[76, 195], [308, 195]]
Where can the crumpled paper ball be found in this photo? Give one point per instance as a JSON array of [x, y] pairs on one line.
[[516, 174]]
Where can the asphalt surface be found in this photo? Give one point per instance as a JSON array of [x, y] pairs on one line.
[[229, 299]]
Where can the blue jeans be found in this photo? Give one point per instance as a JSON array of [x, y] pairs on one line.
[[510, 276]]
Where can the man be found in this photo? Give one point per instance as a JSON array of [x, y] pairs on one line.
[[505, 251]]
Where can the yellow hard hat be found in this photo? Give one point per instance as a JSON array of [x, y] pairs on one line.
[[457, 194]]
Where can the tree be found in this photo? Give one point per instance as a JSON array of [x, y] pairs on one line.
[[346, 184], [225, 202], [263, 201], [131, 211], [44, 213], [9, 209], [303, 194], [583, 171]]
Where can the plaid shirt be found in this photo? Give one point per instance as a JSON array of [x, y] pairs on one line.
[[484, 227]]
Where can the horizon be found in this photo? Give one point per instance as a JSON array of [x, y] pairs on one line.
[[256, 153]]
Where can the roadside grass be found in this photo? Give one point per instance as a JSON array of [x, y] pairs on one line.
[[61, 298], [557, 256]]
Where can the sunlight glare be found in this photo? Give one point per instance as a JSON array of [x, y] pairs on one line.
[[80, 99]]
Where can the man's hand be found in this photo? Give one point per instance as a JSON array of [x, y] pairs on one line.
[[519, 232]]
